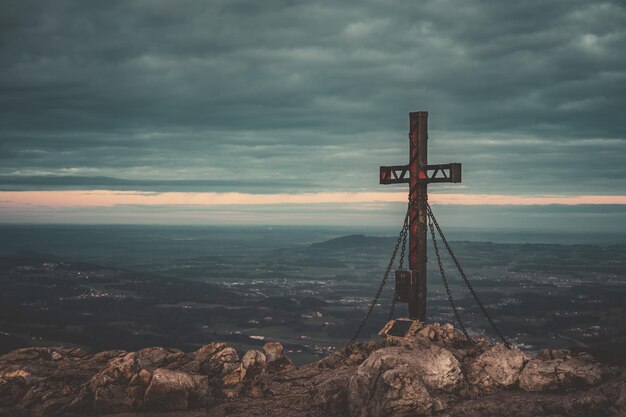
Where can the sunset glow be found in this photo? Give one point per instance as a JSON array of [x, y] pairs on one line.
[[108, 198]]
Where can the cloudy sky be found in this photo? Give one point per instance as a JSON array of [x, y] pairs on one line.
[[278, 111]]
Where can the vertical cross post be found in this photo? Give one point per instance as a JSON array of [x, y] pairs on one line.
[[418, 136], [411, 285]]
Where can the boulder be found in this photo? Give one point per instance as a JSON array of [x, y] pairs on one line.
[[252, 367], [253, 364], [158, 357], [354, 354], [173, 390], [218, 359], [46, 398], [13, 385], [221, 364], [276, 359], [111, 388], [376, 391], [205, 357], [538, 375], [546, 375], [44, 381], [439, 369], [331, 395], [495, 368], [403, 381]]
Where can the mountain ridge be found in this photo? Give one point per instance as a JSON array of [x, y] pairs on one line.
[[432, 370]]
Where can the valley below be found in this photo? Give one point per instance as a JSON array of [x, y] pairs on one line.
[[311, 297]]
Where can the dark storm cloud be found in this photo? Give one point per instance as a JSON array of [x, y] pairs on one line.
[[69, 182], [287, 95]]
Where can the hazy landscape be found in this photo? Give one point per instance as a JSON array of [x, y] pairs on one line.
[[107, 287]]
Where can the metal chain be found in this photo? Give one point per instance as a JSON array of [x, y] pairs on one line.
[[445, 281], [467, 283], [382, 284], [405, 232]]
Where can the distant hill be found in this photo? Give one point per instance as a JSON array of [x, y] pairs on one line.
[[360, 242]]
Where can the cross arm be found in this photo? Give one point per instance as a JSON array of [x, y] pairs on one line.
[[397, 174]]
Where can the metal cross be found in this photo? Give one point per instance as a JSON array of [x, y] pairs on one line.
[[411, 284]]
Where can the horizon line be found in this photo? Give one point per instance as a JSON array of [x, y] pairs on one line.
[[111, 198]]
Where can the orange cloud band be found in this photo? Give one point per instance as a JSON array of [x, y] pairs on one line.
[[108, 198]]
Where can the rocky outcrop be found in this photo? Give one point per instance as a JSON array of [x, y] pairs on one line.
[[551, 370], [59, 381], [174, 390], [495, 368], [432, 369], [276, 359], [403, 381]]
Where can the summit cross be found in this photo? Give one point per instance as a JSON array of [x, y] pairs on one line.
[[411, 284]]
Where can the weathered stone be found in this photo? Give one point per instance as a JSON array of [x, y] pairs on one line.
[[420, 376], [331, 395], [111, 388], [46, 398], [157, 357], [217, 359], [355, 354], [574, 371], [144, 377], [253, 364], [439, 369], [379, 389], [538, 375], [396, 381], [230, 365], [444, 335], [13, 385], [205, 355], [174, 390], [495, 368], [549, 354], [545, 375], [276, 359]]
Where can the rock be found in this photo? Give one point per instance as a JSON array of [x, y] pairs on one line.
[[331, 395], [111, 388], [43, 381], [252, 368], [576, 372], [439, 369], [353, 355], [221, 364], [217, 359], [538, 375], [13, 386], [174, 390], [443, 335], [253, 364], [46, 398], [276, 359], [402, 381], [144, 377], [545, 375], [620, 397], [421, 375], [228, 360], [495, 368], [205, 355], [377, 391]]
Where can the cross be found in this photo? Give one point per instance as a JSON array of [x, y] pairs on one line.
[[411, 284]]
